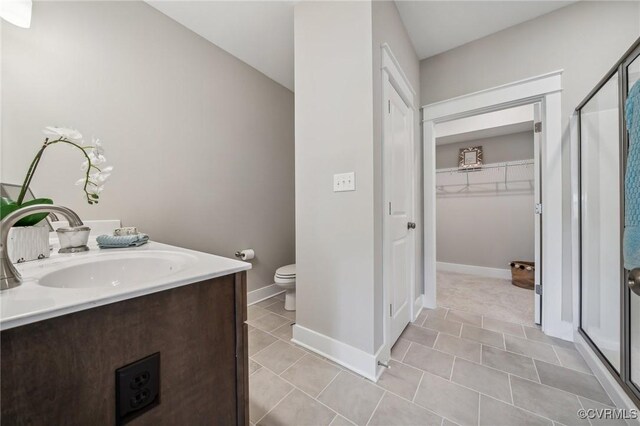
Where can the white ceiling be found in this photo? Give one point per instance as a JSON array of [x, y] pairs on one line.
[[438, 26], [260, 33]]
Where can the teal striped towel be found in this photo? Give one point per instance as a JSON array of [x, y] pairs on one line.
[[112, 241]]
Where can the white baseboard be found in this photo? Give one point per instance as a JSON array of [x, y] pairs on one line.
[[474, 270], [263, 293], [610, 385], [354, 359]]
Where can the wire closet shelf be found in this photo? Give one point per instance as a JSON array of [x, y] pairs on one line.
[[495, 177]]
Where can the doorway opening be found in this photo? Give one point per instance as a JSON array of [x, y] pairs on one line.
[[545, 91], [487, 189]]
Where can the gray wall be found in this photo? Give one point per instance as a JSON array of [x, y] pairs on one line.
[[388, 28], [334, 134], [202, 144], [497, 149], [584, 39], [500, 223]]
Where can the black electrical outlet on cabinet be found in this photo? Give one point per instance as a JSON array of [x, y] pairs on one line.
[[137, 388]]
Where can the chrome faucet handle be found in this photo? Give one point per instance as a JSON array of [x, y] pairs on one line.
[[9, 275]]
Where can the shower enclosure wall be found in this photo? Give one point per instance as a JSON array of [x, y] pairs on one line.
[[609, 310]]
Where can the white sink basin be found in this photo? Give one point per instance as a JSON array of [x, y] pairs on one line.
[[117, 270]]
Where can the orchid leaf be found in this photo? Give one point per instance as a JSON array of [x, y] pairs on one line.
[[32, 219]]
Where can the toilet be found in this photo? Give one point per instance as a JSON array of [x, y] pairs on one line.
[[286, 278]]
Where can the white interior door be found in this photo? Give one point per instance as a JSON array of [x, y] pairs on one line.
[[398, 234], [537, 195]]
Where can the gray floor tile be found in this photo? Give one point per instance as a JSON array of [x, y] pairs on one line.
[[298, 409], [399, 349], [253, 366], [421, 317], [443, 326], [258, 340], [519, 365], [352, 397], [593, 405], [572, 359], [546, 401], [265, 391], [534, 333], [284, 332], [254, 312], [448, 399], [438, 312], [279, 356], [535, 350], [395, 411], [311, 374], [447, 422], [482, 379], [462, 348], [278, 308], [486, 337], [430, 360], [419, 335], [502, 326], [341, 421], [400, 379], [268, 322], [497, 413], [572, 381], [465, 317]]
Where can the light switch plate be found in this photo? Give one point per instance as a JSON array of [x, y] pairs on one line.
[[344, 182]]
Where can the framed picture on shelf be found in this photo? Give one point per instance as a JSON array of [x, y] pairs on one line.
[[470, 158]]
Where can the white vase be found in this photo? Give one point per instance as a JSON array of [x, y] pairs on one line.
[[28, 243]]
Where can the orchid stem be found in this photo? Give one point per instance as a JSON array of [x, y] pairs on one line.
[[36, 161]]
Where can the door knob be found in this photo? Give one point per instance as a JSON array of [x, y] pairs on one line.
[[411, 225], [634, 281]]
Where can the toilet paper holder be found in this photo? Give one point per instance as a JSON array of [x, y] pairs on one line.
[[246, 254]]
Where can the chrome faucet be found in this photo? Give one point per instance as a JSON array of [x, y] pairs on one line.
[[9, 275]]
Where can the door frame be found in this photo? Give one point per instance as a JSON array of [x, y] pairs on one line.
[[546, 89], [392, 75]]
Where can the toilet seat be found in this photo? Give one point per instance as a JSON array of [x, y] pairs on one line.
[[287, 272]]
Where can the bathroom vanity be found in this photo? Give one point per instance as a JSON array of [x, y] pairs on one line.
[[173, 318]]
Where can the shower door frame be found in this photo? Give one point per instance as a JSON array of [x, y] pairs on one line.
[[623, 378]]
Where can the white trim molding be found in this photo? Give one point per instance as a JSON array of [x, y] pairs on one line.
[[263, 293], [482, 271], [397, 76], [356, 360], [545, 89]]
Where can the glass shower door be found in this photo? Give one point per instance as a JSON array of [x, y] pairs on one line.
[[601, 220], [633, 75]]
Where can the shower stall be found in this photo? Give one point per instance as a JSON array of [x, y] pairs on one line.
[[609, 302]]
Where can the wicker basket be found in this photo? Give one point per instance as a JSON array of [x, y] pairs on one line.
[[523, 274]]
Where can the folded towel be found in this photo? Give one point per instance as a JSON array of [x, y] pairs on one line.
[[631, 241], [112, 241]]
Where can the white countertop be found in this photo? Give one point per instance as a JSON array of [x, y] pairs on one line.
[[31, 302]]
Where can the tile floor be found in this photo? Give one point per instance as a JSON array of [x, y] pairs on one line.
[[449, 367], [482, 295]]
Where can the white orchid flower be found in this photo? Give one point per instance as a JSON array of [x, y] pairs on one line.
[[96, 158], [63, 132], [97, 146]]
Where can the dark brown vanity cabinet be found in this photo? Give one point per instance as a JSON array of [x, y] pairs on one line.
[[62, 371]]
